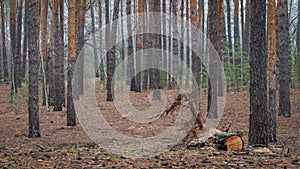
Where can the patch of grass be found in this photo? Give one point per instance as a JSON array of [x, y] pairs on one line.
[[11, 107], [11, 159], [25, 79], [114, 159], [128, 149], [73, 152], [104, 157], [172, 149]]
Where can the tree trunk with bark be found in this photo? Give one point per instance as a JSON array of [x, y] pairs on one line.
[[12, 26], [111, 54], [71, 118], [212, 107], [44, 24], [33, 98], [17, 58], [283, 54], [258, 130], [230, 48], [57, 55], [246, 32], [3, 28], [94, 40], [25, 45], [102, 73], [272, 69], [156, 61]]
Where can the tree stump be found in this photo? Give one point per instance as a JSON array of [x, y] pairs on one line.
[[230, 142]]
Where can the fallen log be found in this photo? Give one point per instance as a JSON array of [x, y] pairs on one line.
[[229, 142]]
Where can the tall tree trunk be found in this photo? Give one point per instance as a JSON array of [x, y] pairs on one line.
[[164, 42], [283, 54], [246, 42], [242, 22], [18, 72], [188, 40], [298, 47], [50, 62], [157, 45], [272, 67], [139, 46], [71, 118], [33, 98], [62, 51], [181, 43], [94, 40], [150, 45], [213, 36], [58, 99], [221, 44], [145, 43], [298, 30], [130, 63], [102, 73], [24, 54], [171, 80], [12, 26], [174, 60], [44, 19], [229, 27], [196, 63], [80, 44], [111, 54], [237, 43], [3, 27], [258, 130], [237, 39]]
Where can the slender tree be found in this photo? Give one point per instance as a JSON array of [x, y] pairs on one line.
[[80, 43], [283, 55], [57, 55], [71, 118], [102, 73], [130, 63], [62, 50], [242, 21], [258, 130], [196, 63], [156, 61], [33, 98], [5, 61], [298, 46], [230, 48], [139, 46], [94, 39], [188, 40], [298, 30], [246, 29], [24, 50], [50, 63], [272, 67], [237, 43], [221, 44], [164, 41], [111, 54], [174, 61], [213, 36], [146, 44], [17, 56], [44, 24], [12, 30], [237, 39]]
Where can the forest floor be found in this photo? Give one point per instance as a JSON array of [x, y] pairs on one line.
[[70, 147]]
